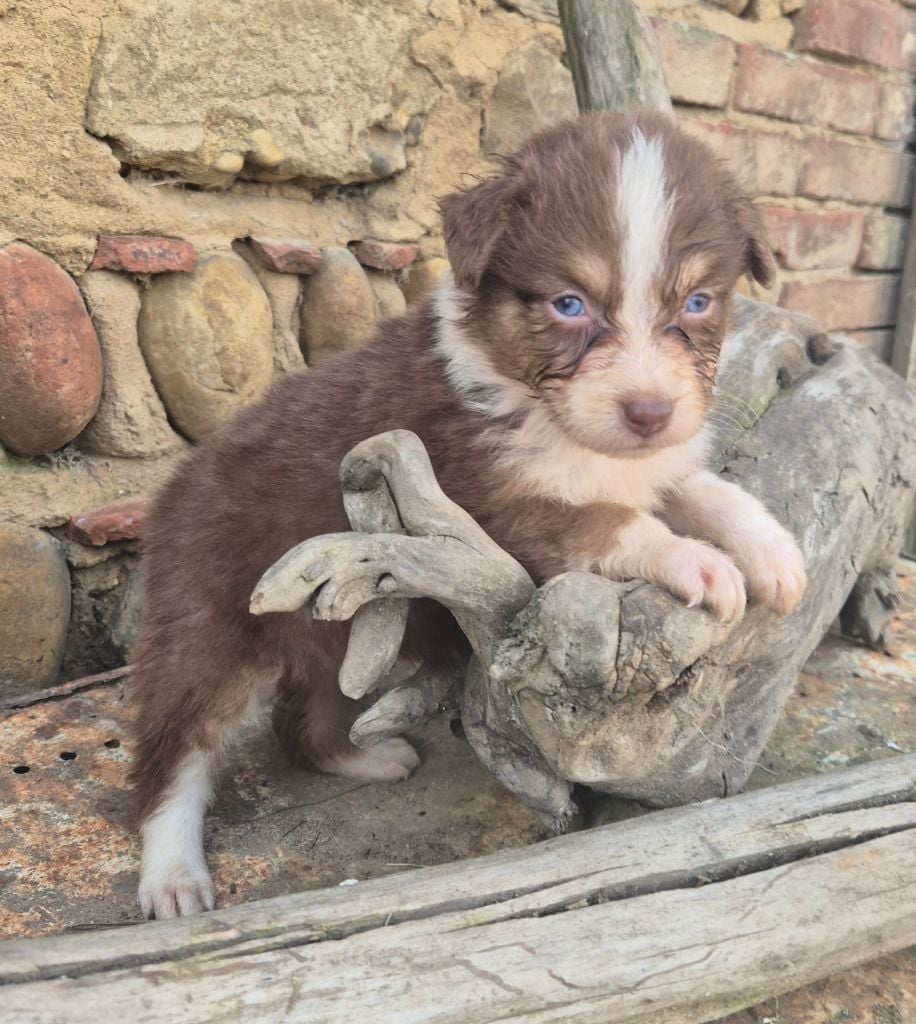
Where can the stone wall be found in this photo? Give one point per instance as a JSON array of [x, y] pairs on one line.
[[198, 196]]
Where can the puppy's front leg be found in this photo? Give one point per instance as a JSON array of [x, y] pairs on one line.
[[705, 506], [621, 543], [645, 548]]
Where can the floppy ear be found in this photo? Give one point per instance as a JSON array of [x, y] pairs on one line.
[[758, 258], [473, 221]]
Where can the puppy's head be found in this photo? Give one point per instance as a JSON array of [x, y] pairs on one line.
[[597, 271]]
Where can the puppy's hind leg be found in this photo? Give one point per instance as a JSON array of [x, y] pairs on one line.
[[182, 729], [174, 880], [312, 719]]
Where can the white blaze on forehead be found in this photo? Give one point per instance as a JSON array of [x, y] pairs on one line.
[[643, 214]]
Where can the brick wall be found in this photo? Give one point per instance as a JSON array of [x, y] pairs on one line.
[[812, 104]]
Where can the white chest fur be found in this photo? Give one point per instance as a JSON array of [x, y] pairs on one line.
[[543, 462]]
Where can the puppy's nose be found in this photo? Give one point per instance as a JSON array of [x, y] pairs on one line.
[[647, 416]]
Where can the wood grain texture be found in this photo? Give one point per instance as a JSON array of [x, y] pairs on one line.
[[903, 354], [613, 56], [675, 917]]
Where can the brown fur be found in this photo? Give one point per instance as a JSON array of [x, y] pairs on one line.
[[269, 480]]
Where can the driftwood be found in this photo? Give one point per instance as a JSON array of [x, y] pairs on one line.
[[678, 917], [613, 56], [620, 686]]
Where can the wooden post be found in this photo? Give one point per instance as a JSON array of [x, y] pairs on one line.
[[613, 56], [903, 354]]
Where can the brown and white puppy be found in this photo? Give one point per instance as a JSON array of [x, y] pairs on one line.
[[560, 381]]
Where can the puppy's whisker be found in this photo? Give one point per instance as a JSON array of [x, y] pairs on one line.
[[733, 411], [730, 396], [739, 415], [720, 414], [729, 427], [737, 404], [727, 430], [735, 415]]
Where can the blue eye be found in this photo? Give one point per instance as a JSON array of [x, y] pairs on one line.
[[569, 305], [697, 303]]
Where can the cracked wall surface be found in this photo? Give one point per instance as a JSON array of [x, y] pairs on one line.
[[219, 90], [117, 113]]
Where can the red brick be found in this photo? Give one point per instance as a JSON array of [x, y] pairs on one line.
[[884, 243], [388, 256], [877, 31], [698, 63], [285, 255], [765, 163], [121, 521], [813, 239], [859, 174], [895, 111], [879, 342], [735, 146], [778, 161], [805, 91], [845, 303], [143, 254]]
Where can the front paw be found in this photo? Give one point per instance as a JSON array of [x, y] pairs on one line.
[[701, 574], [773, 566]]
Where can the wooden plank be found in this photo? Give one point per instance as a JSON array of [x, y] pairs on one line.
[[685, 838], [667, 917], [613, 56], [684, 954]]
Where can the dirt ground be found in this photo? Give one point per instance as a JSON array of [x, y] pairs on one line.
[[68, 859]]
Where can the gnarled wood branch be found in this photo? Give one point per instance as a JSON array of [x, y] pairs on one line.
[[618, 685]]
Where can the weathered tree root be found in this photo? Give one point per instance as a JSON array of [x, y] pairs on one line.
[[619, 686]]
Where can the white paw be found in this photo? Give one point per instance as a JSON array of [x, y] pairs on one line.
[[773, 566], [388, 761], [176, 891], [701, 574]]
